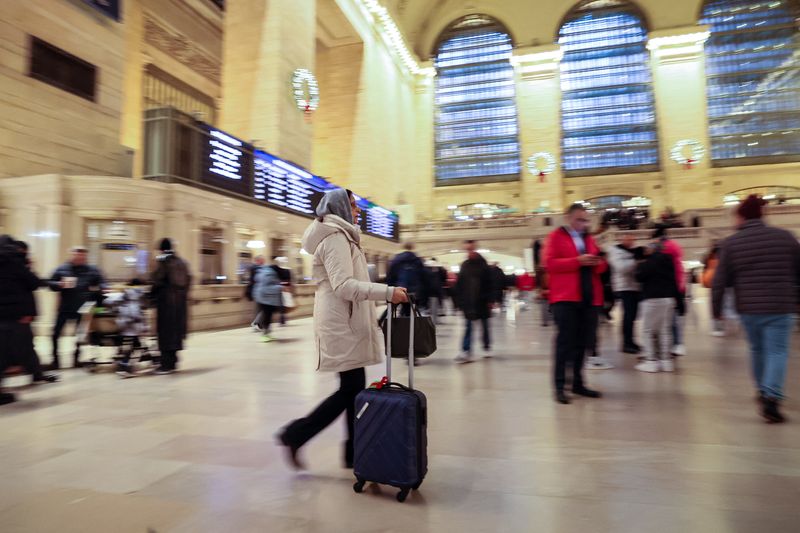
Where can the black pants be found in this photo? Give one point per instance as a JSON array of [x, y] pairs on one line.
[[63, 318], [630, 308], [343, 400], [26, 351], [7, 340], [266, 312], [577, 324], [169, 360]]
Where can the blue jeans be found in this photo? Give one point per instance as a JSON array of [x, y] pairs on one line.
[[487, 343], [769, 337]]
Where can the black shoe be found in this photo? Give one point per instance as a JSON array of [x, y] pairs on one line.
[[588, 393], [770, 412], [292, 453], [6, 398], [562, 398], [52, 366], [46, 378], [631, 349]]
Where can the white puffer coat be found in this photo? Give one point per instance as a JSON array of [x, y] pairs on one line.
[[345, 319]]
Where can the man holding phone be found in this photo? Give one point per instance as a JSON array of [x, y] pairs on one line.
[[574, 265], [76, 281]]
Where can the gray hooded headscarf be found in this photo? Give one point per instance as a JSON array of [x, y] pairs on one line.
[[336, 202]]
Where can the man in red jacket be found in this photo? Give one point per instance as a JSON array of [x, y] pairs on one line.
[[574, 266]]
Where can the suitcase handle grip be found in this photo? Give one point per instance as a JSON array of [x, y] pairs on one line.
[[390, 314]]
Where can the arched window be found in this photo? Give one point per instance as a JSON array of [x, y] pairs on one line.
[[608, 114], [753, 69], [477, 136]]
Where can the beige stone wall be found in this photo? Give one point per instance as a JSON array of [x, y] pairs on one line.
[[370, 119], [180, 37], [43, 128]]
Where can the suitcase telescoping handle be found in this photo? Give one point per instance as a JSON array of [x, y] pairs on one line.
[[389, 317]]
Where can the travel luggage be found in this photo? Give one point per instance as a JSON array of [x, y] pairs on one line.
[[391, 428]]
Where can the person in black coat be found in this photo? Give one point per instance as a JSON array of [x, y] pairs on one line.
[[16, 282], [473, 294], [77, 282], [25, 350], [170, 292], [498, 284]]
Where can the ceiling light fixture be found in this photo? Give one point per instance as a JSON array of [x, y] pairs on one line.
[[394, 38]]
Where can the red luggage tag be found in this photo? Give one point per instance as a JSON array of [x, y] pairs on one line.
[[379, 384]]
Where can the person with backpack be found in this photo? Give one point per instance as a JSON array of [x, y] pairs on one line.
[[268, 294], [408, 271], [170, 293]]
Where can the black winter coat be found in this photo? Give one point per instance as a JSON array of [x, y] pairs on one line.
[[498, 283], [762, 264], [473, 290], [657, 276], [17, 282], [170, 292]]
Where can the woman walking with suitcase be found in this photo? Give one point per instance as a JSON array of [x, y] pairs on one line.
[[345, 320]]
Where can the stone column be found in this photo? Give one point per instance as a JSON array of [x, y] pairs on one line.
[[264, 42], [679, 83], [539, 108]]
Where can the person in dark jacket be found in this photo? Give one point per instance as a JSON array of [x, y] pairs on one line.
[[16, 282], [656, 274], [498, 284], [285, 277], [77, 282], [408, 271], [762, 264], [473, 295], [25, 350], [435, 281], [170, 292]]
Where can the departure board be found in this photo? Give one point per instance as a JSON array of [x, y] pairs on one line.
[[285, 185], [227, 162], [377, 221]]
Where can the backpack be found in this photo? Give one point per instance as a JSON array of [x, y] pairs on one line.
[[178, 273]]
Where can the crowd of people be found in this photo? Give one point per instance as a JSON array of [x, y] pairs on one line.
[[78, 283], [575, 280]]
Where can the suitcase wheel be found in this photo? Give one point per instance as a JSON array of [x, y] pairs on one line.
[[402, 495], [358, 486]]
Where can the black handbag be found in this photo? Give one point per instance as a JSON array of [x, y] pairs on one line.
[[424, 333]]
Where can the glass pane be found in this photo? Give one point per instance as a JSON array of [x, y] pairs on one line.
[[753, 79], [608, 115], [476, 131]]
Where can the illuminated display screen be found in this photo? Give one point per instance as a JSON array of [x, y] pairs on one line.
[[377, 221], [282, 184], [227, 162]]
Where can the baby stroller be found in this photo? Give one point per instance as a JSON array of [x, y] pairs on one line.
[[121, 320]]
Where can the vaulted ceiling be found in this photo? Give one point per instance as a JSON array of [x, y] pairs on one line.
[[530, 22]]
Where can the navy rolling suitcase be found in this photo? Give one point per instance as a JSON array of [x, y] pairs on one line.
[[391, 430]]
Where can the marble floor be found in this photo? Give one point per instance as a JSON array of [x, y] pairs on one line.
[[193, 452]]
